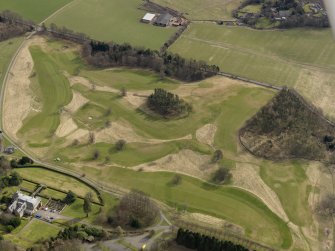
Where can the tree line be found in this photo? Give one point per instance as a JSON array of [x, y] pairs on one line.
[[11, 25], [200, 242], [167, 64]]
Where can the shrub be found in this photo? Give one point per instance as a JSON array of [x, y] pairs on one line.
[[70, 198], [221, 175], [120, 145]]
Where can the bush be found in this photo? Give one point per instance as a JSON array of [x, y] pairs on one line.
[[25, 160], [221, 175], [176, 180], [70, 198], [9, 228], [120, 145]]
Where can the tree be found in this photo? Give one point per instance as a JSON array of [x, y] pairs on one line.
[[87, 204], [123, 92], [217, 156], [96, 154], [176, 180], [70, 198], [221, 175], [25, 160], [120, 145], [91, 138]]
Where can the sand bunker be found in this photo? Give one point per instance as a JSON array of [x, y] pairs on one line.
[[246, 176], [186, 161], [206, 134]]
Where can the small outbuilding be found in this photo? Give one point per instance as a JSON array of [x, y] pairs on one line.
[[148, 18], [163, 20]]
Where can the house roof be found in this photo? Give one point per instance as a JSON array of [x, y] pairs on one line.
[[164, 19], [28, 199], [148, 17]]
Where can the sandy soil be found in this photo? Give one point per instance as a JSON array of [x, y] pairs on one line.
[[206, 134], [246, 175], [185, 161], [79, 134], [77, 101], [66, 126], [18, 99]]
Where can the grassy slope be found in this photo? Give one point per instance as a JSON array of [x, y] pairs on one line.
[[7, 49], [55, 93], [120, 22], [35, 10], [203, 9], [276, 57], [229, 203]]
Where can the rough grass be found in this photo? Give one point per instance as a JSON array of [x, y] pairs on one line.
[[276, 57], [56, 180], [203, 9], [35, 10], [7, 50], [120, 22], [228, 203]]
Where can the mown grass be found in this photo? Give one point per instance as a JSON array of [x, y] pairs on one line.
[[276, 57], [35, 10], [120, 22], [55, 180], [228, 203], [203, 9]]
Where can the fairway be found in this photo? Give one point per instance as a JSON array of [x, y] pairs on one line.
[[120, 22], [228, 203], [203, 9], [35, 10]]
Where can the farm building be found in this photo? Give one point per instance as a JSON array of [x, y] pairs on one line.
[[163, 20], [148, 18], [23, 204]]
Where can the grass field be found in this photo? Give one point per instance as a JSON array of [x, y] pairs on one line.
[[271, 56], [203, 9], [120, 22], [34, 231], [35, 10], [7, 50], [56, 180]]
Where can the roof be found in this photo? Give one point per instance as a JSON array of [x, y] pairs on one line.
[[164, 19], [148, 17], [28, 199]]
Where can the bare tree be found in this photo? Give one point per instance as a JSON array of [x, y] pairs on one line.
[[91, 138]]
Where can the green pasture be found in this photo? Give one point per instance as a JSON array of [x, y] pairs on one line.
[[228, 203], [75, 210], [203, 9], [116, 20], [273, 56], [35, 10], [55, 180], [54, 90]]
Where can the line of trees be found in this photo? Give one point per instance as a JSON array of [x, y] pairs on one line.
[[167, 64], [12, 25], [202, 242]]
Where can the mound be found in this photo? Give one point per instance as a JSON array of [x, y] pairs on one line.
[[288, 127]]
